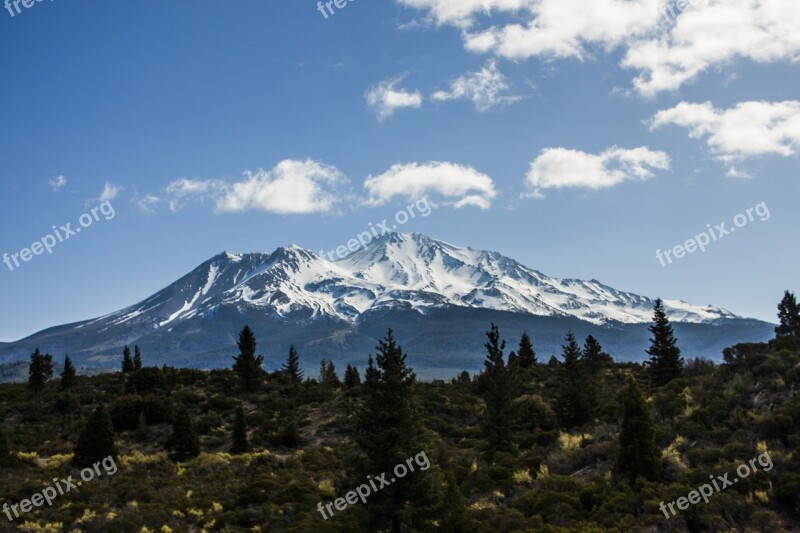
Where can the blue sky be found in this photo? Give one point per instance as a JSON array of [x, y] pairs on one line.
[[578, 140]]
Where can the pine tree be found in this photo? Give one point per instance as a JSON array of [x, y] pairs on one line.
[[239, 444], [525, 353], [639, 454], [789, 317], [389, 431], [40, 370], [247, 365], [351, 377], [137, 358], [666, 362], [96, 441], [513, 361], [327, 374], [183, 444], [593, 355], [67, 375], [574, 401], [291, 369], [499, 387], [127, 362]]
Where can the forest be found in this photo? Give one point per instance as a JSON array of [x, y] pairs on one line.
[[577, 442]]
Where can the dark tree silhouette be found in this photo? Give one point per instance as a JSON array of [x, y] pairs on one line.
[[239, 444], [247, 364], [96, 441], [183, 444], [666, 362], [127, 362], [639, 454], [68, 375], [40, 370], [291, 368]]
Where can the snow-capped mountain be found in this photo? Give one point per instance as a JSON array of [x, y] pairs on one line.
[[398, 270], [399, 280]]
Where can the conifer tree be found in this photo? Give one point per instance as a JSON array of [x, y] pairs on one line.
[[247, 365], [593, 355], [137, 358], [389, 431], [239, 444], [351, 377], [499, 387], [327, 374], [40, 370], [127, 362], [291, 368], [574, 403], [96, 441], [666, 362], [513, 361], [789, 317], [68, 374], [525, 353], [183, 444], [639, 454]]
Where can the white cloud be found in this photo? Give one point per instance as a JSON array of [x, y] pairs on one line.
[[292, 187], [110, 192], [555, 168], [459, 184], [565, 28], [714, 33], [749, 129], [384, 98], [667, 50], [734, 172], [486, 88], [57, 183]]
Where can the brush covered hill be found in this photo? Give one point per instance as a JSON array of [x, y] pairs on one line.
[[302, 450]]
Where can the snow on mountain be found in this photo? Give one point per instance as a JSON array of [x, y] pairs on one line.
[[395, 271]]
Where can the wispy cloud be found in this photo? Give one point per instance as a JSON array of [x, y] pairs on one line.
[[57, 183], [385, 98], [486, 89], [110, 192]]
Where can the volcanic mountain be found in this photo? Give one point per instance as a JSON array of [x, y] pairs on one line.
[[439, 299]]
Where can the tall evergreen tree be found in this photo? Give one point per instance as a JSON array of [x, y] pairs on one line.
[[239, 444], [327, 374], [96, 441], [789, 317], [137, 358], [183, 444], [40, 370], [499, 387], [291, 368], [639, 454], [666, 362], [593, 355], [247, 364], [574, 402], [351, 377], [127, 362], [513, 361], [389, 431], [525, 353], [68, 374]]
